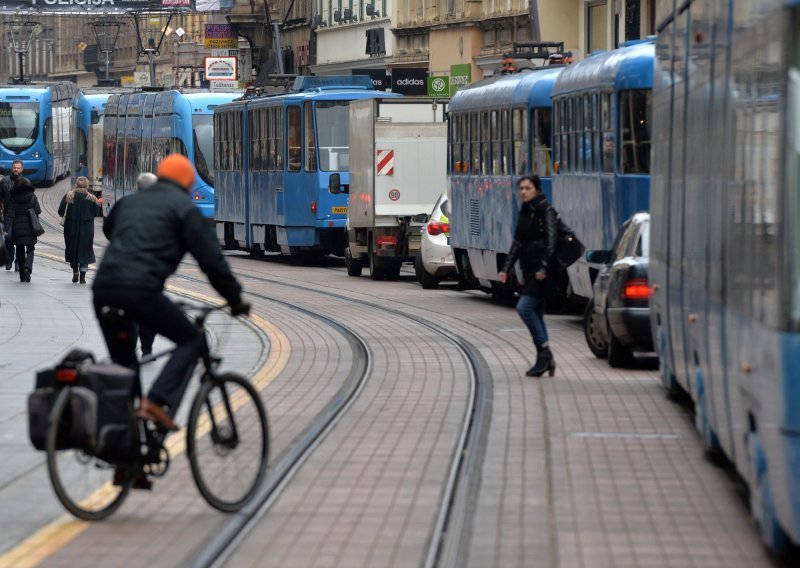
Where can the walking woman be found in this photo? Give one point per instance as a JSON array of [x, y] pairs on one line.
[[534, 246], [79, 209], [22, 201]]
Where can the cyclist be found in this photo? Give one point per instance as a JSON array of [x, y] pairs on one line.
[[149, 233]]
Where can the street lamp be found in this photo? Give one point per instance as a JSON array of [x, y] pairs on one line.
[[21, 36], [106, 31]]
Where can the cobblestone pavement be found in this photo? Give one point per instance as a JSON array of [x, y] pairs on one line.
[[594, 467]]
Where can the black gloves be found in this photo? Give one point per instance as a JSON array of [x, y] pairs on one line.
[[240, 308]]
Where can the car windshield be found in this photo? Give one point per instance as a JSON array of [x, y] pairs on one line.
[[19, 124], [202, 125], [333, 136]]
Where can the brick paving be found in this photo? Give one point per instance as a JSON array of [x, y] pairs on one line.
[[592, 468]]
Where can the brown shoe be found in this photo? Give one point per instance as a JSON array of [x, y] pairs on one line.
[[149, 410]]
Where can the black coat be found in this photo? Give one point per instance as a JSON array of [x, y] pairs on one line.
[[149, 232], [534, 245], [22, 200], [81, 210], [6, 183]]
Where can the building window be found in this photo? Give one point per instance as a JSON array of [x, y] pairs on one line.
[[597, 26]]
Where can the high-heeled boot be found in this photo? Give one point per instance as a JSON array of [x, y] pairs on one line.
[[545, 363]]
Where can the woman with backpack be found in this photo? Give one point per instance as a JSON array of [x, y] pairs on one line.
[[78, 210], [23, 207], [535, 241]]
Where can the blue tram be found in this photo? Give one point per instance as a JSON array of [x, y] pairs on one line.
[[139, 129], [602, 109], [36, 126], [500, 128], [87, 138], [274, 158], [725, 243]]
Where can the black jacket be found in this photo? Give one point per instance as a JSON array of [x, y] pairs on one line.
[[149, 233], [534, 244], [6, 183], [18, 218], [81, 210]]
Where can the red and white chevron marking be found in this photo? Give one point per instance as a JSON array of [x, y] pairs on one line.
[[385, 162]]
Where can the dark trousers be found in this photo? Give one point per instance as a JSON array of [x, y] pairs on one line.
[[146, 336], [10, 247], [25, 256], [156, 312]]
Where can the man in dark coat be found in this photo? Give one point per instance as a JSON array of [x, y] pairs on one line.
[[22, 201], [149, 233], [6, 183]]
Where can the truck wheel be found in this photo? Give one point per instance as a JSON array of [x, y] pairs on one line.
[[427, 281], [392, 271], [376, 270], [353, 266]]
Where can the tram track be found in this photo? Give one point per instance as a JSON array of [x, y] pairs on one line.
[[453, 517]]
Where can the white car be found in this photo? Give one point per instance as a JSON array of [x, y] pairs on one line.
[[435, 260]]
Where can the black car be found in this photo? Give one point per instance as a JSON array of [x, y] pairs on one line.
[[617, 318]]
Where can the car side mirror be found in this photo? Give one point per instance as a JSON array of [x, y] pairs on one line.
[[598, 256], [335, 183]]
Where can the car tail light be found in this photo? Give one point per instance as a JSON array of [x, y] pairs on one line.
[[437, 228], [66, 375], [387, 240], [314, 207], [636, 289]]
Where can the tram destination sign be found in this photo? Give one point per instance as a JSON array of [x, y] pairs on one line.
[[93, 6]]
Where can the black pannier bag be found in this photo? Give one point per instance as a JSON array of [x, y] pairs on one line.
[[99, 416], [568, 248], [43, 398], [113, 386]]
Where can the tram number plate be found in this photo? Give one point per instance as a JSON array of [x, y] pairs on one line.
[[339, 210]]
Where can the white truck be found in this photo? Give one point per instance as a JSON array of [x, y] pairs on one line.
[[398, 169]]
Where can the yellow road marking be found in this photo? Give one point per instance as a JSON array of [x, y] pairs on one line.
[[51, 538]]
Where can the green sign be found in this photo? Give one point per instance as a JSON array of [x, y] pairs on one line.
[[460, 77], [438, 86]]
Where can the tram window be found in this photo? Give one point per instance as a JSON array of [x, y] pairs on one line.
[[310, 140], [278, 115], [542, 136], [293, 137], [586, 138], [333, 135], [496, 135], [597, 162], [505, 123], [255, 141], [464, 143], [634, 127], [486, 139], [475, 144], [519, 131], [608, 133]]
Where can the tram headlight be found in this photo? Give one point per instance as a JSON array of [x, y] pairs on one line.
[[36, 155]]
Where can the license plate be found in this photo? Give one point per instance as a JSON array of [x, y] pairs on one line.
[[339, 210]]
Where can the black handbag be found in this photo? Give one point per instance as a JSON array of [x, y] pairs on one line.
[[568, 248], [36, 225], [4, 259]]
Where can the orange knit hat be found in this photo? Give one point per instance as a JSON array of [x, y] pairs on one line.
[[177, 168]]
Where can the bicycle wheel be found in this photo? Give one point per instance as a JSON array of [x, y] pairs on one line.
[[83, 483], [227, 441]]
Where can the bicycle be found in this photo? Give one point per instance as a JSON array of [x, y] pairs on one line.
[[226, 415]]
